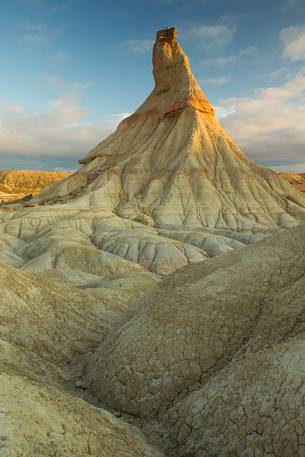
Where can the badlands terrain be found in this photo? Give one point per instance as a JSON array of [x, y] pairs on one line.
[[18, 184], [296, 179], [152, 303]]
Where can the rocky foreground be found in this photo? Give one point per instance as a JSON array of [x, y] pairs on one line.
[[209, 362], [152, 303], [20, 184]]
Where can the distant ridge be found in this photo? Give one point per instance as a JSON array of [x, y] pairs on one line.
[[297, 180], [17, 184]]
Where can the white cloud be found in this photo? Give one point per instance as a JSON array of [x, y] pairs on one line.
[[225, 110], [53, 81], [207, 36], [293, 40], [139, 46], [221, 62], [211, 36], [282, 72], [218, 81], [270, 125], [59, 85], [61, 57], [36, 4], [38, 34], [250, 51], [225, 61], [59, 137], [171, 2], [288, 4], [51, 5], [116, 118]]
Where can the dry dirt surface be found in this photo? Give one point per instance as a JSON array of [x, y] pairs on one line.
[[297, 180], [152, 303], [38, 420], [46, 333], [18, 184], [216, 353], [212, 356]]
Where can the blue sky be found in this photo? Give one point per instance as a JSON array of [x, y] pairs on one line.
[[72, 69]]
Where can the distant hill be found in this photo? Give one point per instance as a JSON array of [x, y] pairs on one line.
[[18, 184], [296, 179]]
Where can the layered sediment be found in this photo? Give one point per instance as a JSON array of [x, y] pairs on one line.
[[113, 311], [20, 184]]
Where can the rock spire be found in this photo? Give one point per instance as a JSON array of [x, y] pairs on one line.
[[171, 164]]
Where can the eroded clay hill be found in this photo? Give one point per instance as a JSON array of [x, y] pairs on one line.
[[18, 184], [209, 362], [167, 189], [216, 353], [297, 180], [172, 164], [206, 360], [46, 333]]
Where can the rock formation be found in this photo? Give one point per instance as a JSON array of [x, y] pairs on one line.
[[216, 353], [171, 163], [167, 189], [297, 180], [206, 360], [213, 355], [17, 184]]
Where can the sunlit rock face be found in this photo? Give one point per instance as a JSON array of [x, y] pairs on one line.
[[172, 164], [109, 294], [166, 189], [16, 184], [297, 180]]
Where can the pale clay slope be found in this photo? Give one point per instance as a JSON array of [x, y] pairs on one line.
[[45, 326], [216, 353], [167, 189], [253, 407], [37, 420], [172, 164], [46, 333], [296, 179]]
